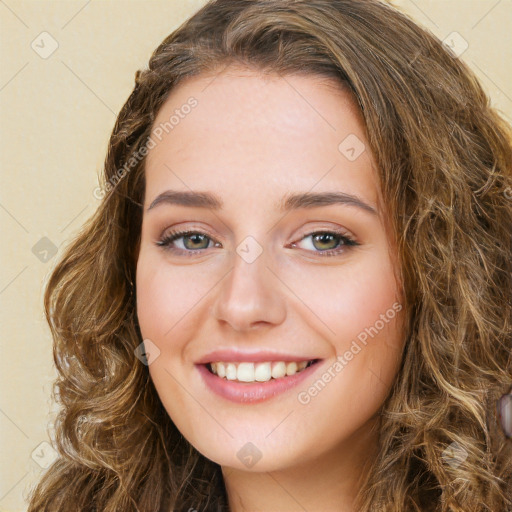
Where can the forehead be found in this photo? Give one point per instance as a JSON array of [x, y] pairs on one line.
[[259, 135]]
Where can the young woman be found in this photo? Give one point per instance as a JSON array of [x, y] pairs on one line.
[[295, 294]]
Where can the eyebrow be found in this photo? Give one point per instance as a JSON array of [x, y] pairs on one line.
[[211, 201]]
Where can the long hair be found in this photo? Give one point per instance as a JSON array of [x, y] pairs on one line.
[[444, 160]]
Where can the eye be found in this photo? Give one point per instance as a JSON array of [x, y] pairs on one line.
[[325, 243], [330, 243], [191, 241]]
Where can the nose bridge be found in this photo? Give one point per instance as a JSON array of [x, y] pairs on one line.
[[250, 295]]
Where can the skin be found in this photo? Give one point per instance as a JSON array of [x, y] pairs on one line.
[[252, 139]]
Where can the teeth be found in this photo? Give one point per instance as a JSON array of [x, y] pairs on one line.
[[262, 372], [245, 372], [278, 370], [291, 368], [257, 372], [230, 371], [220, 369]]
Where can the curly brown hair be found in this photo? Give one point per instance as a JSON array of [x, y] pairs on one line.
[[445, 166]]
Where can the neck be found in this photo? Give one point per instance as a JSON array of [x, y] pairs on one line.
[[325, 482]]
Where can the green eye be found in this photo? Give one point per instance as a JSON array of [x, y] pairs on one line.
[[193, 242]]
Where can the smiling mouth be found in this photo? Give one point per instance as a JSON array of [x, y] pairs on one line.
[[248, 372]]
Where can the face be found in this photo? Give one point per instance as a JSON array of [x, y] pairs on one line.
[[285, 261]]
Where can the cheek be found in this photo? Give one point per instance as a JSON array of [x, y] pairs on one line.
[[357, 309], [167, 295], [351, 300]]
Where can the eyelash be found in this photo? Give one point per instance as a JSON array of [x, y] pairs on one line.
[[346, 242]]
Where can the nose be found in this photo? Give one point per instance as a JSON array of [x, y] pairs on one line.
[[250, 297]]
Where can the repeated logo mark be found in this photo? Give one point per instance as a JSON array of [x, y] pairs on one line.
[[454, 455], [456, 44], [44, 249], [147, 352], [44, 455], [249, 454], [44, 45], [249, 249], [351, 147]]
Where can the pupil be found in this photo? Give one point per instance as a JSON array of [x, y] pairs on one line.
[[322, 238], [195, 237]]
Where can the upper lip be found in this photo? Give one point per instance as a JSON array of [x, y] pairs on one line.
[[229, 355]]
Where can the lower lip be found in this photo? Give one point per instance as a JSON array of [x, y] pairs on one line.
[[253, 392]]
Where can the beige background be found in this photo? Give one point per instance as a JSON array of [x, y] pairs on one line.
[[57, 112]]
